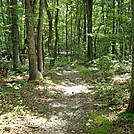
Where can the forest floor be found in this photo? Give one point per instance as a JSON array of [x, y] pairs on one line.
[[60, 104]]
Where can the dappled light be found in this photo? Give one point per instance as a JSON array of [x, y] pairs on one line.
[[76, 89], [57, 104], [121, 79], [40, 88], [62, 101], [66, 67]]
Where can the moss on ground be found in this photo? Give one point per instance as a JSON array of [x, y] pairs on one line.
[[98, 125]]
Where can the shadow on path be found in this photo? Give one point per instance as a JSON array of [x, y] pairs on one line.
[[62, 108]]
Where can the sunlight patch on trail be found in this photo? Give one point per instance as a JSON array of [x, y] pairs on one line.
[[76, 89]]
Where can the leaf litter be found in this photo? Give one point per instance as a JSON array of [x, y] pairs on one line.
[[58, 105]]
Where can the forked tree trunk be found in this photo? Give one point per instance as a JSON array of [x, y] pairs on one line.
[[33, 70]]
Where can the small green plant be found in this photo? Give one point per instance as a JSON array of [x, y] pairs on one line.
[[81, 68], [13, 85]]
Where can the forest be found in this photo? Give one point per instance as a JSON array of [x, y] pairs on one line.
[[67, 67]]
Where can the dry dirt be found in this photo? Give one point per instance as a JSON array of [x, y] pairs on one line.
[[68, 107]]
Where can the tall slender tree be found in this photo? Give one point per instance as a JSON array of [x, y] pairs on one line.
[[56, 31], [67, 27], [113, 29], [40, 37], [50, 34], [89, 5], [15, 34], [85, 22]]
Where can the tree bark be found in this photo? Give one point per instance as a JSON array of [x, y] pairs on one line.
[[56, 33], [66, 27], [15, 34], [113, 30], [79, 26], [85, 23], [50, 20], [33, 70], [89, 4], [39, 37], [130, 108]]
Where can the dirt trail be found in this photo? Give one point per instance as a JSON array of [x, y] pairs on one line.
[[70, 107]]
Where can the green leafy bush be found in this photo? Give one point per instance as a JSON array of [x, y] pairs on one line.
[[108, 66], [105, 65]]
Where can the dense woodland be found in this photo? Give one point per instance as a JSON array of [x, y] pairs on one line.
[[41, 38]]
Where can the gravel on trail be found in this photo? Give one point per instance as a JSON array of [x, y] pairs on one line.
[[70, 107]]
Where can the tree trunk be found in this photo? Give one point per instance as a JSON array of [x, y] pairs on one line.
[[50, 27], [113, 30], [33, 71], [15, 34], [56, 33], [130, 108], [89, 4], [71, 30], [67, 27], [39, 37], [85, 22], [79, 26]]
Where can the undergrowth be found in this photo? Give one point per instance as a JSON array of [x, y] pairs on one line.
[[113, 81], [112, 96], [84, 71], [19, 97]]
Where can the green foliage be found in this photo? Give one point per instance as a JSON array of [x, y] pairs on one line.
[[112, 95], [5, 64], [23, 67], [81, 69], [10, 97], [63, 61], [105, 65], [13, 85], [98, 125], [127, 116]]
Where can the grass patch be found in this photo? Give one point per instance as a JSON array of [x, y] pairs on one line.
[[81, 69]]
